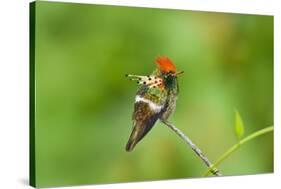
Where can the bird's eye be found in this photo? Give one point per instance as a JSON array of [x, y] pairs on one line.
[[170, 74]]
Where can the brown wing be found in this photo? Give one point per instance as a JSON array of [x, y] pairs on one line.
[[143, 120]]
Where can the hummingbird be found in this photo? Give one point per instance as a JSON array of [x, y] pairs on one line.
[[155, 99]]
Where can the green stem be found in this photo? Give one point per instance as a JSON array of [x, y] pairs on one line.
[[236, 146]]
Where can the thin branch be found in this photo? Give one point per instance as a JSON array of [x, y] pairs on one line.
[[198, 152], [238, 145]]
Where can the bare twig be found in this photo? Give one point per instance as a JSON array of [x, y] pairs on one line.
[[198, 152]]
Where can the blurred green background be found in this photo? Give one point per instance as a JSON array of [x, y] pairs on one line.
[[84, 103]]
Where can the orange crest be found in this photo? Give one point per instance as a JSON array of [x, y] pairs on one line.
[[165, 65]]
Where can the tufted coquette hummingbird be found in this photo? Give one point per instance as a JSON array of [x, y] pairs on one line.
[[155, 99]]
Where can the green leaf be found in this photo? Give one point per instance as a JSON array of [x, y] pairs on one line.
[[239, 125]]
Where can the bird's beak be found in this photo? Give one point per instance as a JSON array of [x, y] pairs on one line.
[[178, 73]]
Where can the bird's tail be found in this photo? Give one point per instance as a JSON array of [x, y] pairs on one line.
[[134, 139], [130, 145], [139, 131]]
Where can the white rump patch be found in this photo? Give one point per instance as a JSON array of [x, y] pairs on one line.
[[155, 107]]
